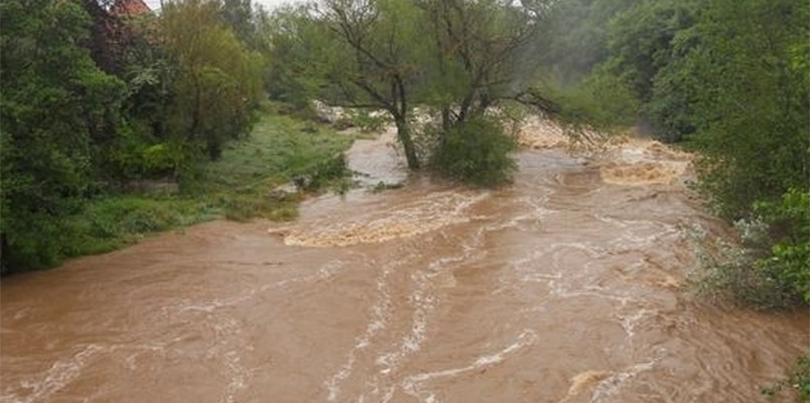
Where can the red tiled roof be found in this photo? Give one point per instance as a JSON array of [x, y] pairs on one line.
[[130, 7]]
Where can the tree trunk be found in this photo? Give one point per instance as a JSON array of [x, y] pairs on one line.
[[404, 135]]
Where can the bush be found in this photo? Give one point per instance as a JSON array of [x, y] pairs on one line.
[[369, 122], [771, 269], [788, 241], [329, 173], [476, 152]]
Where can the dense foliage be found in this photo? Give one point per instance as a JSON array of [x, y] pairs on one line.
[[93, 100], [474, 152], [51, 143]]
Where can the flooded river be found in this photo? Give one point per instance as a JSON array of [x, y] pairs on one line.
[[565, 287]]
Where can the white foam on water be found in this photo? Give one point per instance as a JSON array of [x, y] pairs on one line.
[[630, 321], [238, 374], [424, 302], [630, 241], [59, 375], [324, 273], [537, 212], [380, 315], [613, 384], [430, 213], [412, 385]]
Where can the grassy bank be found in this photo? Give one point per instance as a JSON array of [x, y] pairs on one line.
[[238, 186]]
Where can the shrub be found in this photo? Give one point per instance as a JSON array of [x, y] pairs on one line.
[[788, 238], [329, 173], [771, 268], [369, 122], [476, 152]]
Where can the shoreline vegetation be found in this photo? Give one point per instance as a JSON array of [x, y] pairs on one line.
[[241, 185]]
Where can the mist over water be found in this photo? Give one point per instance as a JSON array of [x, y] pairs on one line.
[[564, 287]]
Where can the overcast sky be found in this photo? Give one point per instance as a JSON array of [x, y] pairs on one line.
[[268, 4]]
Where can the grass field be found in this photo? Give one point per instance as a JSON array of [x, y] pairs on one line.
[[238, 186]]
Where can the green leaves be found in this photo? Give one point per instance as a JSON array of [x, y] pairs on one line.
[[730, 77], [476, 152], [71, 130], [57, 109], [219, 82]]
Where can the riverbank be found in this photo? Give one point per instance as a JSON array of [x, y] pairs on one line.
[[570, 286], [239, 186]]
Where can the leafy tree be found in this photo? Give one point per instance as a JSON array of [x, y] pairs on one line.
[[56, 123], [475, 151], [574, 38], [238, 16], [476, 49], [751, 101], [218, 82], [372, 53], [730, 78], [357, 53]]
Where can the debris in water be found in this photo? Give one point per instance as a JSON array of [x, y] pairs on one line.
[[643, 162], [540, 134], [437, 211], [583, 380]]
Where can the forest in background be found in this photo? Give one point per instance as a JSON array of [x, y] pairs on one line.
[[95, 100]]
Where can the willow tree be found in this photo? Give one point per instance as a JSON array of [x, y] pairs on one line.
[[357, 53], [219, 81]]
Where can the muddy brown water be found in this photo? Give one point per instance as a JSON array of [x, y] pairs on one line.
[[565, 287]]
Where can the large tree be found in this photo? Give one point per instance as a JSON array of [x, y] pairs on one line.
[[219, 81], [59, 112], [457, 56], [477, 53]]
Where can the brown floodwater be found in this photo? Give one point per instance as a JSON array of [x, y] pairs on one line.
[[567, 286]]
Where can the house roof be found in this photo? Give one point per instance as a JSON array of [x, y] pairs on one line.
[[130, 7]]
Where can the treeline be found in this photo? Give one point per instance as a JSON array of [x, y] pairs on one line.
[[95, 96], [729, 79]]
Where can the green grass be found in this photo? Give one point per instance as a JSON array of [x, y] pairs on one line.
[[278, 149], [238, 186]]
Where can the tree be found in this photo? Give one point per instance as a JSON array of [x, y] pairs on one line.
[[218, 82], [476, 49], [373, 53], [354, 52], [56, 123], [575, 37], [751, 101]]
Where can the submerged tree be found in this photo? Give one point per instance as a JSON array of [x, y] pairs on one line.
[[458, 57], [477, 51], [360, 53]]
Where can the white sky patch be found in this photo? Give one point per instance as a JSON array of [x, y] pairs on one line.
[[269, 5]]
